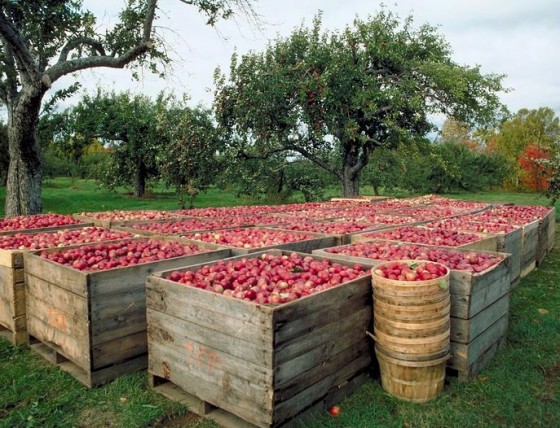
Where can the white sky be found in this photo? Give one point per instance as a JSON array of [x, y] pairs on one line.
[[520, 38]]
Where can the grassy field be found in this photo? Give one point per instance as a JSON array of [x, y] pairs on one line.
[[520, 387]]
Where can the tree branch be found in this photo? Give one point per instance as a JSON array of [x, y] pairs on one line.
[[79, 41], [13, 40], [63, 66], [287, 147]]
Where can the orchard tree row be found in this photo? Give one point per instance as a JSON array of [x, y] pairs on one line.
[[345, 101]]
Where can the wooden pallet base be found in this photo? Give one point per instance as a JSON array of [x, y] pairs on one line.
[[14, 337], [90, 379], [228, 420]]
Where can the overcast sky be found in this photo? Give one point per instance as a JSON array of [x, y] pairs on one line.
[[519, 38]]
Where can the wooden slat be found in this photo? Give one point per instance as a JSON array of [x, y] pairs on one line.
[[168, 328], [463, 355], [482, 361], [466, 330]]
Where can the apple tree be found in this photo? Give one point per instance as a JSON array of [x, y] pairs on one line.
[[126, 124], [374, 84], [187, 157], [42, 41]]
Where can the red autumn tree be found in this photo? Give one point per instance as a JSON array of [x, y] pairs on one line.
[[535, 174]]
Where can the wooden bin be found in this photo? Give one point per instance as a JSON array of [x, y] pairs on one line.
[[47, 229], [479, 311], [93, 323], [12, 288], [305, 246], [258, 364]]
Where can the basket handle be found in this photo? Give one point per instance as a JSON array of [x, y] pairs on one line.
[[372, 336]]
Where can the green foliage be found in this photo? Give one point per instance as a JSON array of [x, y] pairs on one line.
[[373, 84], [514, 135], [434, 168]]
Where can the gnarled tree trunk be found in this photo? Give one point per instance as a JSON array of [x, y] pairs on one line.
[[350, 174], [25, 173]]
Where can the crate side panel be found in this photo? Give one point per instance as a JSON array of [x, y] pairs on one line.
[[65, 277], [190, 303], [168, 327], [466, 330], [464, 355], [65, 334], [206, 373]]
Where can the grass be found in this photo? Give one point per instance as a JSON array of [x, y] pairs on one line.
[[519, 388]]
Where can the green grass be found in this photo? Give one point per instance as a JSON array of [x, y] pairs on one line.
[[519, 388]]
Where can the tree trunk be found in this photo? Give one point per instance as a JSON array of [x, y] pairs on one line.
[[350, 174], [25, 173], [140, 178]]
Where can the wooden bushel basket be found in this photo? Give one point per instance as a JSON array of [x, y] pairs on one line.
[[412, 334], [417, 381]]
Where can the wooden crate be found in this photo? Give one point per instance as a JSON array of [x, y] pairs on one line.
[[265, 364], [529, 248], [306, 246], [12, 289], [487, 241], [93, 322]]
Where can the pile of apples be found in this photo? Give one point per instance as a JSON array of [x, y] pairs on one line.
[[251, 237], [420, 235], [191, 224], [381, 219], [36, 221], [111, 255], [460, 223], [59, 238], [470, 261], [518, 215], [118, 215], [326, 227], [269, 279], [399, 271]]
